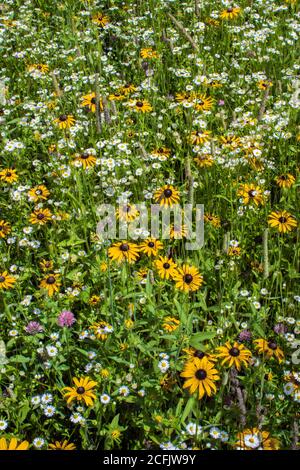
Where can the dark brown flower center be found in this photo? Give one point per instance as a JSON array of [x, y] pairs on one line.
[[139, 104], [93, 100], [187, 278], [63, 117], [80, 390], [51, 280], [199, 354], [40, 216], [272, 345], [84, 156], [282, 220], [151, 245], [201, 374], [252, 193], [2, 279], [166, 265], [168, 192], [124, 247], [38, 192], [235, 352], [229, 10], [8, 173]]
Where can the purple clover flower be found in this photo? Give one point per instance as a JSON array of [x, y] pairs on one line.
[[33, 328], [66, 318], [245, 335]]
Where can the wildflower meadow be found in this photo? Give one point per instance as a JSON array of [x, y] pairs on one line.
[[130, 339]]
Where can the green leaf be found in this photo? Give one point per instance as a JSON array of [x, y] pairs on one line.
[[20, 359], [188, 408], [115, 422], [23, 412], [259, 330], [198, 338]]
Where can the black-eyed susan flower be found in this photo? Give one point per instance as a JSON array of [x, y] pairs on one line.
[[170, 324], [124, 251], [200, 137], [188, 279], [127, 89], [202, 102], [46, 265], [149, 53], [234, 251], [116, 96], [62, 445], [6, 280], [230, 13], [39, 193], [269, 349], [5, 228], [90, 101], [161, 152], [83, 391], [43, 68], [283, 221], [256, 439], [177, 232], [230, 141], [65, 121], [285, 181], [191, 353], [151, 246], [40, 216], [212, 22], [101, 330], [94, 300], [200, 376], [166, 267], [127, 212], [9, 175], [213, 220], [183, 97], [140, 106], [204, 160], [86, 159], [251, 193], [264, 84], [142, 275], [234, 355], [100, 19], [213, 83], [51, 283], [13, 444], [167, 195]]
